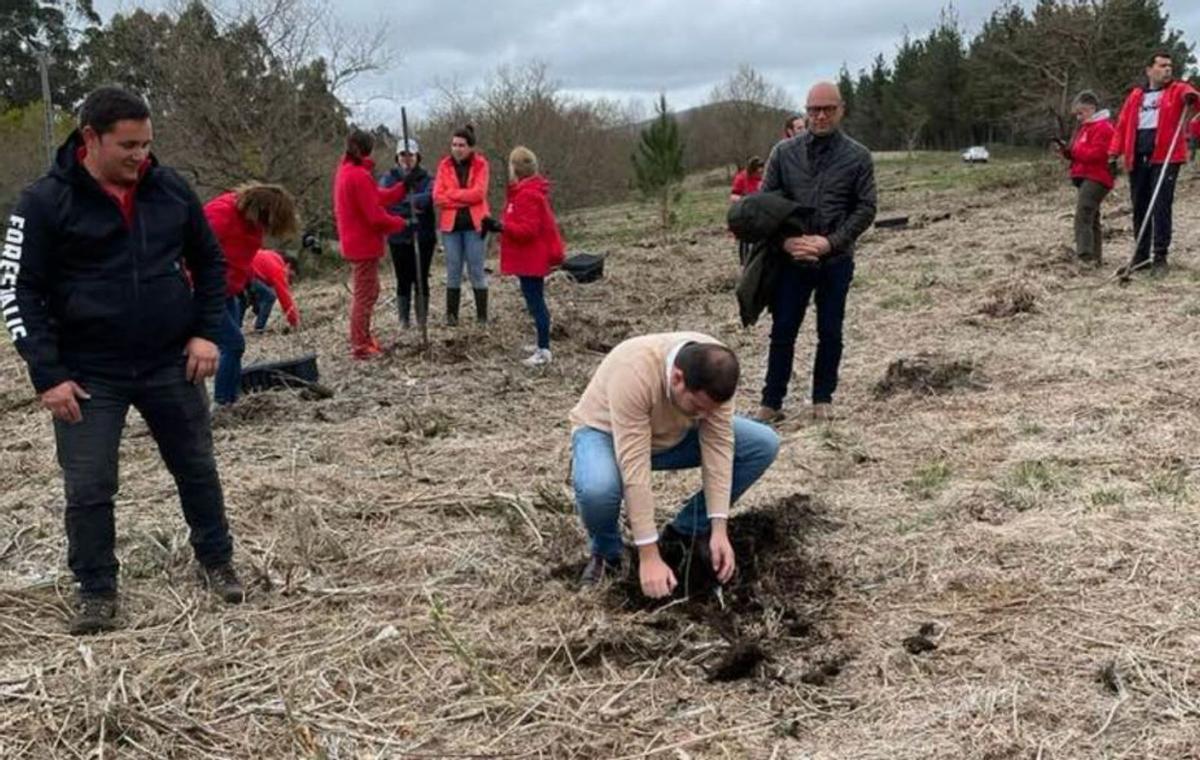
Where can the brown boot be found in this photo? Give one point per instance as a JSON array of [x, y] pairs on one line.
[[767, 415], [822, 412]]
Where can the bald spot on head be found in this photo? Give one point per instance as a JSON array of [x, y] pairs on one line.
[[824, 94]]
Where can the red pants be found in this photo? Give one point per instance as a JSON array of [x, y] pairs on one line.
[[366, 293]]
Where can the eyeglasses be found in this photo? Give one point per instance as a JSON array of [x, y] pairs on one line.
[[827, 110]]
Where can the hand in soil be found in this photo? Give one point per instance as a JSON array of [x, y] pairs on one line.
[[722, 556], [657, 579]]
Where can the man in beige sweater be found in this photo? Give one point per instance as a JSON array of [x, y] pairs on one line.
[[663, 402]]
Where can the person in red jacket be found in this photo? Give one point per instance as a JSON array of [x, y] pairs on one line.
[[746, 182], [530, 243], [1088, 154], [460, 197], [272, 280], [1145, 128], [363, 223], [240, 219]]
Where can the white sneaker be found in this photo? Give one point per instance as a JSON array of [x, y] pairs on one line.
[[539, 358]]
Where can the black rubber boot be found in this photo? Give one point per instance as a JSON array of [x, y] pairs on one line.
[[402, 306], [481, 305], [453, 297]]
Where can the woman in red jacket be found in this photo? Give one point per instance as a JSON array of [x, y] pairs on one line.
[[240, 219], [1088, 154], [363, 223], [530, 244], [460, 196]]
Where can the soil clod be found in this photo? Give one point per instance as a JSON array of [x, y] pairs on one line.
[[928, 374]]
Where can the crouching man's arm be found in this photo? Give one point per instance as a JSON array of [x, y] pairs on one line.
[[716, 460], [632, 441]]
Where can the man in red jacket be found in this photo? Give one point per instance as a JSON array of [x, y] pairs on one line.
[[1148, 122], [1088, 154]]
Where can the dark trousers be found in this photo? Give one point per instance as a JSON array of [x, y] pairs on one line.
[[828, 284], [744, 249], [176, 412], [1089, 237], [404, 260], [534, 291], [1141, 186], [232, 345]]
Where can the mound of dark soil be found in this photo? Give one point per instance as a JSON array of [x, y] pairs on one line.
[[928, 374]]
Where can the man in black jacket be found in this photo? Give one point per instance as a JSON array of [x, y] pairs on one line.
[[98, 302], [826, 171]]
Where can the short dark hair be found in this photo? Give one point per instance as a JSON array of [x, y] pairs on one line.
[[1153, 59], [754, 164], [709, 367], [105, 106], [359, 145], [466, 132]]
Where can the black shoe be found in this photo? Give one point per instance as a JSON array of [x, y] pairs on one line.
[[598, 569], [481, 296], [223, 581], [1159, 267], [93, 614], [453, 298]]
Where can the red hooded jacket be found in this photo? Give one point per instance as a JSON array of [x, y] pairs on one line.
[[530, 243], [1089, 150], [270, 267], [1170, 110], [360, 210], [239, 240], [449, 196]]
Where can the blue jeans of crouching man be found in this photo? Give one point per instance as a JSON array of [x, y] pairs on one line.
[[599, 491]]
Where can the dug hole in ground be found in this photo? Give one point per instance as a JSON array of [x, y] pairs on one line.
[[991, 553]]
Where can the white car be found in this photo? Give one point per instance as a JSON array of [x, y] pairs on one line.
[[976, 154]]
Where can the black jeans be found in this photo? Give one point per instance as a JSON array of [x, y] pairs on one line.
[[1141, 187], [176, 412], [829, 283], [404, 260]]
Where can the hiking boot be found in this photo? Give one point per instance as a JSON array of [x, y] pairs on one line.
[[598, 569], [481, 298], [539, 358], [1159, 267], [822, 411], [453, 299], [223, 581], [94, 613], [767, 415]]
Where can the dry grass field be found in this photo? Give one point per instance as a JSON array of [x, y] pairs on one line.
[[995, 554]]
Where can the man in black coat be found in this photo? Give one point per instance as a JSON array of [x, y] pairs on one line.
[[96, 296], [826, 171]]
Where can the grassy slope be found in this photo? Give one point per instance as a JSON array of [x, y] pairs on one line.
[[407, 530]]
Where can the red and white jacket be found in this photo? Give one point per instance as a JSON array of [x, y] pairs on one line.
[[1170, 110], [1089, 150]]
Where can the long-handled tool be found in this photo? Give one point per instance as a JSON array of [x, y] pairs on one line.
[[422, 296], [1123, 274]]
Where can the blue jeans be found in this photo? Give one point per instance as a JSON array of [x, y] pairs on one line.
[[262, 299], [464, 247], [534, 290], [176, 411], [232, 345], [829, 283], [598, 488]]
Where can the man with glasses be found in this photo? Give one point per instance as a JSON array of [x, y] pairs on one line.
[[831, 174]]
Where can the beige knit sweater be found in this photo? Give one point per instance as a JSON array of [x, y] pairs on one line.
[[629, 397]]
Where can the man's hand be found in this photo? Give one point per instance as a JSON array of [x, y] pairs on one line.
[[722, 552], [201, 359], [62, 401], [657, 579], [807, 247]]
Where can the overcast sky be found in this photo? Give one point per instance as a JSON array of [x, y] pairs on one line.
[[632, 49]]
